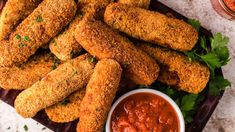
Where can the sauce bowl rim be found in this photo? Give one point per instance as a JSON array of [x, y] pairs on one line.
[[156, 92]]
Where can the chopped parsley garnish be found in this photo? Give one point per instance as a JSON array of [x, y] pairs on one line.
[[17, 36], [39, 18], [26, 128], [54, 42], [92, 59], [56, 62], [21, 45], [65, 102], [26, 38]]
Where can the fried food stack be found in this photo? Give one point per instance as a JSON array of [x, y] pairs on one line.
[[90, 54]]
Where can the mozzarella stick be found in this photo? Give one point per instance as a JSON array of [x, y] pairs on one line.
[[68, 109], [25, 75], [100, 92], [151, 26], [176, 70], [13, 13], [65, 45], [136, 3], [102, 42], [55, 86], [36, 30]]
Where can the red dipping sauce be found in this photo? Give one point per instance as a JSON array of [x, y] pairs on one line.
[[144, 112], [230, 4], [225, 8]]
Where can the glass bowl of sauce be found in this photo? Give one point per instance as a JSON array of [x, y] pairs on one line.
[[226, 8], [145, 110]]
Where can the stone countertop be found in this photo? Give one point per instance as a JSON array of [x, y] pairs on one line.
[[222, 120]]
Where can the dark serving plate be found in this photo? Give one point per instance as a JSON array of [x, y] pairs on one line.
[[203, 113]]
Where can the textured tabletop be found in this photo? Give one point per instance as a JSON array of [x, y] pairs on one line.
[[222, 120]]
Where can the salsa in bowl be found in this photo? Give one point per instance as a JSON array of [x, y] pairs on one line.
[[145, 110]]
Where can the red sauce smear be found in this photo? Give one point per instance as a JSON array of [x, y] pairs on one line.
[[230, 4], [144, 112]]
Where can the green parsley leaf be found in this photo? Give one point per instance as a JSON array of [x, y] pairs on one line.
[[202, 42], [218, 84], [21, 45], [92, 59], [56, 62], [212, 61], [39, 18], [188, 102], [26, 38], [65, 102], [26, 128], [191, 55], [195, 23], [17, 36]]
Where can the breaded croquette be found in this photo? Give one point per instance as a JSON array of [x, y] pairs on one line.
[[151, 26], [68, 109], [13, 13], [37, 29], [25, 75], [55, 86], [102, 42], [65, 45], [136, 3], [100, 92], [176, 70]]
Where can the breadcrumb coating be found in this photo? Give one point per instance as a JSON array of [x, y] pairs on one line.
[[102, 42], [25, 75], [151, 26], [177, 70], [37, 29], [100, 92], [55, 86], [136, 3], [13, 13]]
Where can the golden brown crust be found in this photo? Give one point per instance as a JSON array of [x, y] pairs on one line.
[[36, 30], [65, 45], [66, 111], [151, 26], [136, 3], [13, 13], [25, 75], [102, 42], [55, 86], [100, 92], [176, 69]]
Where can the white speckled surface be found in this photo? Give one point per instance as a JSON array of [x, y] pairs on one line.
[[222, 120]]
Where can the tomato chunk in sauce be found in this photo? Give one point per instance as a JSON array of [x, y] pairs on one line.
[[144, 112]]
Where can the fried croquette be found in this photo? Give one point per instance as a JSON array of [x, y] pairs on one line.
[[151, 26], [68, 109], [25, 75], [55, 86], [100, 92], [37, 29], [136, 3], [65, 45], [177, 70], [102, 42], [13, 13]]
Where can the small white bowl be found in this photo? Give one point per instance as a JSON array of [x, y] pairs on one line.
[[164, 96]]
